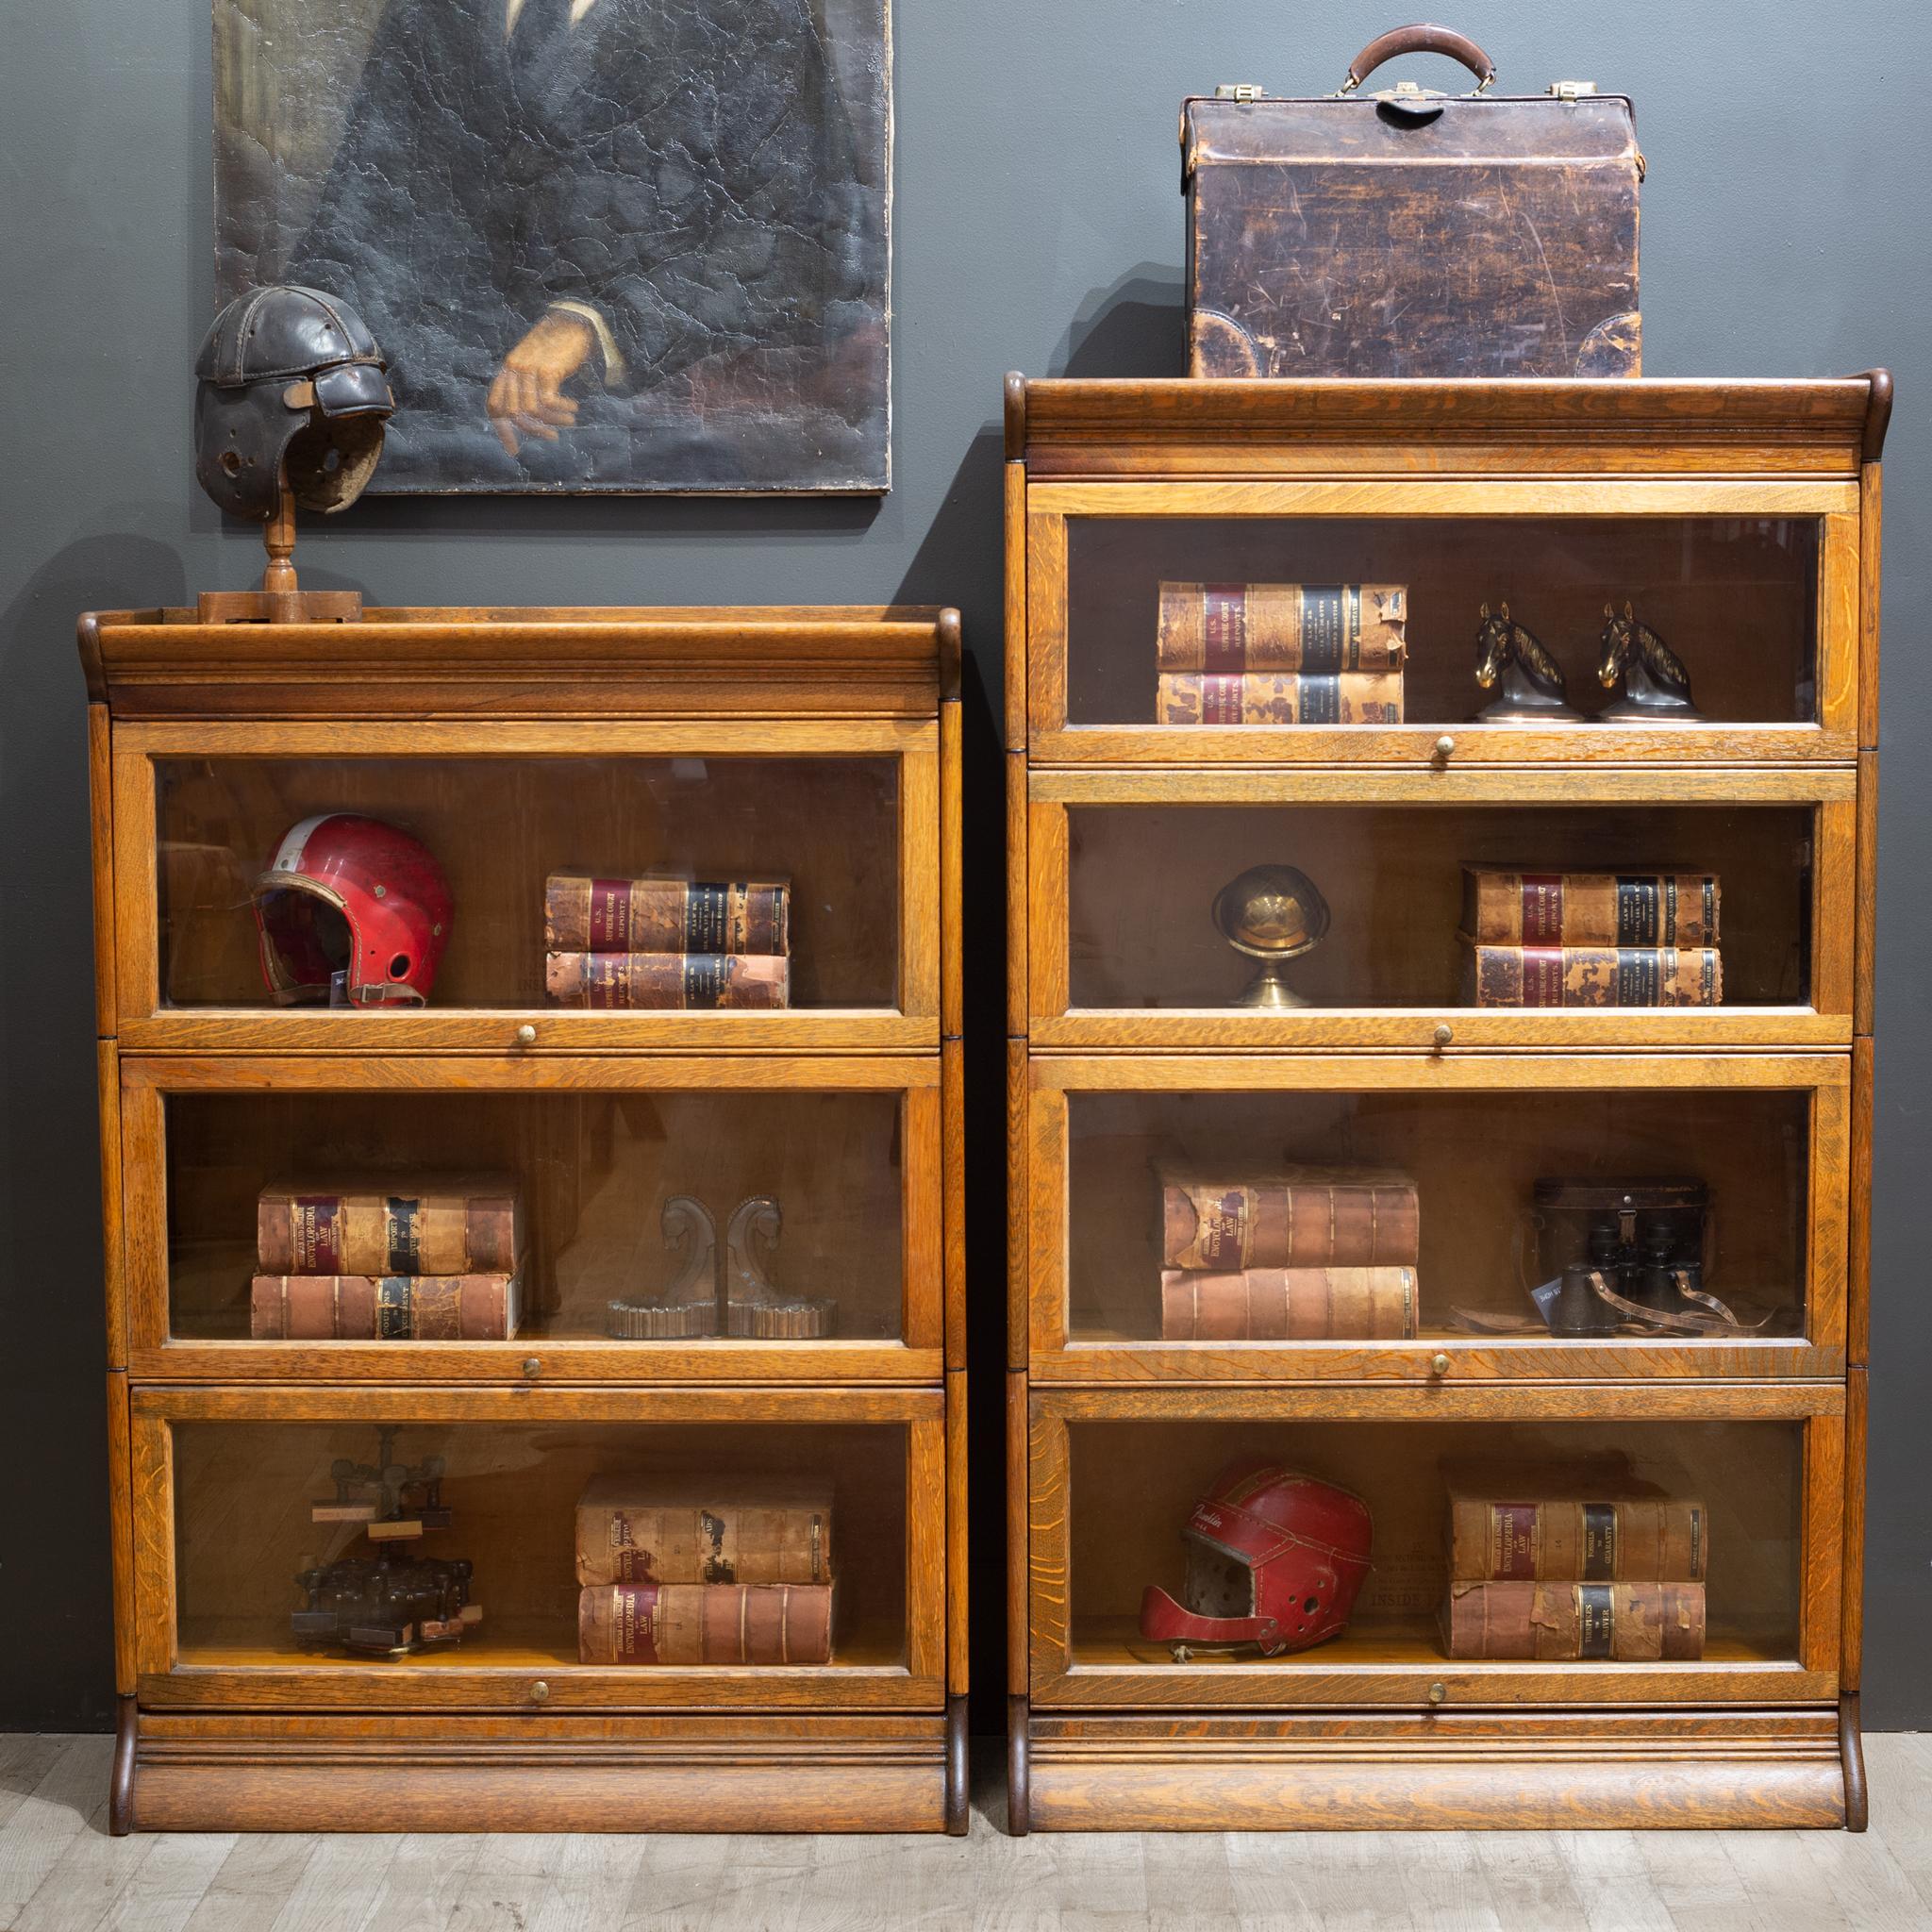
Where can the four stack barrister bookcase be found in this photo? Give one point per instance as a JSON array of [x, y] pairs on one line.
[[818, 745], [1741, 520]]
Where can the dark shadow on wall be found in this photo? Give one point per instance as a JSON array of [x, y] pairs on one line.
[[962, 561], [1138, 328], [55, 1591]]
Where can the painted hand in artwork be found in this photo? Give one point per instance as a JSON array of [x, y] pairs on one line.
[[527, 398]]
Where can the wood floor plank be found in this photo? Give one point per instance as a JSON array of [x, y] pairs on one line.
[[252, 1883], [596, 1874], [339, 1885], [26, 1758], [1612, 1886], [508, 1882], [1529, 1881], [49, 1818], [424, 1882], [168, 1889]]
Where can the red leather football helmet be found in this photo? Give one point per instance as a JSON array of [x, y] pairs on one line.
[[1274, 1559], [351, 912]]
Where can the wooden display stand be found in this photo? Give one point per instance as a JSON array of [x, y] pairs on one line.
[[1743, 519], [818, 745]]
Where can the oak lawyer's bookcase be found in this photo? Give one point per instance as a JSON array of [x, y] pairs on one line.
[[1743, 520], [818, 745]]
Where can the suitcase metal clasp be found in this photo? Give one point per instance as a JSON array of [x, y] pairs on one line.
[[1571, 92], [1239, 91]]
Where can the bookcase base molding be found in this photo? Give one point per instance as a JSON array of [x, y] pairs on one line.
[[683, 1773], [1511, 1771]]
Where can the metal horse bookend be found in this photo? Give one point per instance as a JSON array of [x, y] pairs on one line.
[[1656, 685], [689, 1307], [756, 1306], [1531, 681]]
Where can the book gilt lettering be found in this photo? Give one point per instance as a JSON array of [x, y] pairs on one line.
[[623, 245]]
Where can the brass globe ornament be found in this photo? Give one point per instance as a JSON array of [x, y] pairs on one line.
[[1271, 913]]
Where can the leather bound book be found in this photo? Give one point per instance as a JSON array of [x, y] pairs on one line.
[[1288, 1304], [1591, 975], [1296, 1217], [1278, 697], [1567, 1623], [683, 1529], [706, 1623], [386, 1307], [582, 914], [1536, 1527], [1228, 629], [455, 1226], [746, 982], [1588, 908]]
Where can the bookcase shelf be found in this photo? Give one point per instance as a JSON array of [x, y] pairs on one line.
[[1742, 521], [819, 748]]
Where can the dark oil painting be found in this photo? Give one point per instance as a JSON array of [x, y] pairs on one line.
[[605, 245]]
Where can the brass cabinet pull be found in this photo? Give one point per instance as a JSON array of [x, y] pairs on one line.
[[1444, 1033], [1438, 1691], [1446, 749], [540, 1691], [526, 1035], [1438, 1365], [532, 1367]]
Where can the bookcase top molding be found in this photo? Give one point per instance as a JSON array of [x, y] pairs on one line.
[[1838, 421]]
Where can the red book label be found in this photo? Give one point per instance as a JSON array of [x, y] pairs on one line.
[[1512, 1540], [1224, 625], [1543, 909], [610, 914]]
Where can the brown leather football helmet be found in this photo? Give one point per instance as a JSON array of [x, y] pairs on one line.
[[288, 374], [1274, 1559]]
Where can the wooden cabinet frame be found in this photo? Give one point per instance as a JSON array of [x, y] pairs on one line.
[[1054, 1024], [1438, 1360], [154, 1353], [282, 1740], [1099, 1741], [149, 1025], [165, 1680]]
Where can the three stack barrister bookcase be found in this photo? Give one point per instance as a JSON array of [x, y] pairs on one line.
[[819, 746], [1742, 521]]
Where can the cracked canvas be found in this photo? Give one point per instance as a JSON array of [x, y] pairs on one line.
[[606, 245]]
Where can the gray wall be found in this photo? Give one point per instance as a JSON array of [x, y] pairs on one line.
[[1785, 233]]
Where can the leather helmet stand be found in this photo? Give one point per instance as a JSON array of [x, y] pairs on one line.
[[280, 599]]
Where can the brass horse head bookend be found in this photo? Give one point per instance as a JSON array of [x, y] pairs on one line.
[[756, 1307], [1511, 661], [688, 1308], [1656, 685]]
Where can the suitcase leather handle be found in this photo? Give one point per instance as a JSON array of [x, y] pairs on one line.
[[1422, 38]]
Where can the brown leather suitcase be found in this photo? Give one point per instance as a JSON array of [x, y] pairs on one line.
[[1409, 232]]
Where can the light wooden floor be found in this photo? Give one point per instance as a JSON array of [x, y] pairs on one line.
[[60, 1872]]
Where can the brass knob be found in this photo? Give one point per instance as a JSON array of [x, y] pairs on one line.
[[1444, 1033], [526, 1035], [1438, 1365], [1446, 748], [532, 1367], [540, 1691], [1438, 1691]]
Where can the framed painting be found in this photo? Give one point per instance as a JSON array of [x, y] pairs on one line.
[[607, 245]]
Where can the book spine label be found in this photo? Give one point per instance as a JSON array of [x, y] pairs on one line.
[[1347, 697], [689, 981], [1298, 1225], [583, 914], [1230, 629], [1597, 976], [726, 1542], [389, 1307], [386, 1233], [1632, 1540], [1288, 1304], [1591, 909], [705, 1624], [1564, 1622]]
